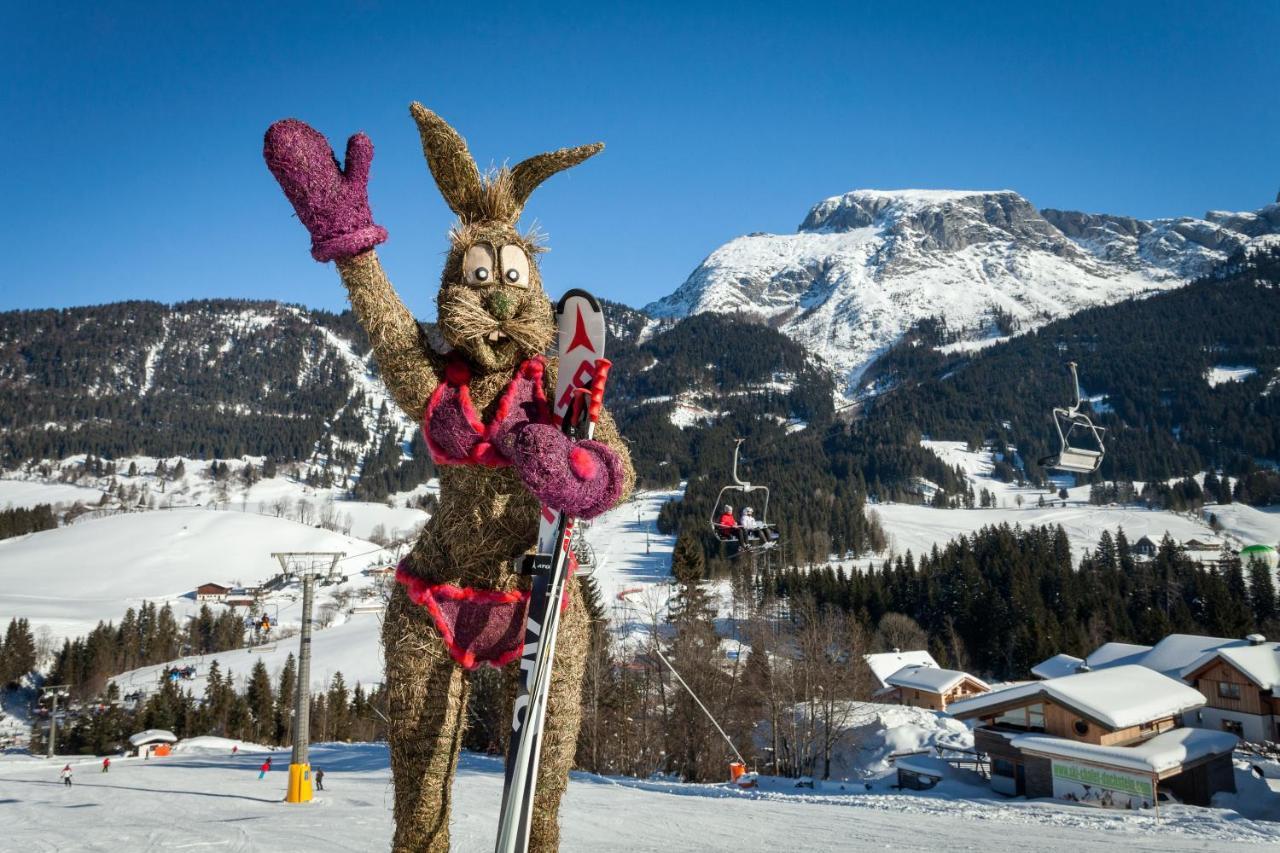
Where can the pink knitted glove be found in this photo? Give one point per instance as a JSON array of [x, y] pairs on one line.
[[582, 478], [332, 202]]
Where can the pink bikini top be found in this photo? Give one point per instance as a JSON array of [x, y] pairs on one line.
[[454, 432]]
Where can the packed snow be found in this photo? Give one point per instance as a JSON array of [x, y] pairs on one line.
[[204, 796]]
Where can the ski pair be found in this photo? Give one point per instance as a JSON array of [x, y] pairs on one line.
[[580, 381]]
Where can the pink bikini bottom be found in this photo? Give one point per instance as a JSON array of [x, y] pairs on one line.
[[478, 626]]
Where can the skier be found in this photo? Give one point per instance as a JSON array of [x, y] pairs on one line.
[[319, 780], [106, 764], [266, 765], [66, 775], [235, 747]]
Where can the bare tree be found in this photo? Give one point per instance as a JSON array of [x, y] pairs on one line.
[[328, 514], [899, 631]]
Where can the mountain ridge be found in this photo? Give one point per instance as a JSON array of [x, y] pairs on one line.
[[865, 266]]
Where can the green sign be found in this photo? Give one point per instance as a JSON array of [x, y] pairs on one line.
[[1126, 783]]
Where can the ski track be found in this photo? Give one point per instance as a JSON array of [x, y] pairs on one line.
[[208, 800]]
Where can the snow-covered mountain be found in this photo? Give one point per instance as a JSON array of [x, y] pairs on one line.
[[865, 266]]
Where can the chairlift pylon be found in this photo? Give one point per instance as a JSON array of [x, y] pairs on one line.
[[1076, 458], [760, 538]]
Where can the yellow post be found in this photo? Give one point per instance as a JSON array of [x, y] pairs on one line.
[[299, 784]]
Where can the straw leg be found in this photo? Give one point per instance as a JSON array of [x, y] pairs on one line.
[[427, 697]]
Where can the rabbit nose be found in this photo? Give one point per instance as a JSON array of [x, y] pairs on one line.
[[500, 305]]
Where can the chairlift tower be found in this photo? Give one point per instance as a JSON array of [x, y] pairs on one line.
[[306, 566], [56, 692]]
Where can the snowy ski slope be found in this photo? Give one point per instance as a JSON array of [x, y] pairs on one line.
[[202, 797]]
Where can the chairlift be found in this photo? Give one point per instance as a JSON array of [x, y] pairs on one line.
[[582, 550], [1081, 448], [760, 538]]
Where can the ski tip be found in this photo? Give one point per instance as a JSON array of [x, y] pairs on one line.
[[579, 293]]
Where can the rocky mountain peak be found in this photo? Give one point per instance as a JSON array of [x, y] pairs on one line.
[[865, 266]]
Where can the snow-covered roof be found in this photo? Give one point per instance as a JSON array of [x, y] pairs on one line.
[[1176, 652], [1260, 663], [1163, 752], [152, 736], [885, 664], [1117, 698], [1115, 654], [1057, 666], [930, 678]]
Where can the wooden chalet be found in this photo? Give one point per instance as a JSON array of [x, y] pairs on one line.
[[212, 592], [1111, 737], [929, 687], [1241, 689]]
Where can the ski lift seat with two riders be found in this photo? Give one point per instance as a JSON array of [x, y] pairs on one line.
[[1080, 442], [762, 535]]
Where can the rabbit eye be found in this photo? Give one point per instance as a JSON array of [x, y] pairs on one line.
[[515, 266], [477, 264]]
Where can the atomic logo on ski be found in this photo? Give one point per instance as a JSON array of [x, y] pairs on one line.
[[581, 338]]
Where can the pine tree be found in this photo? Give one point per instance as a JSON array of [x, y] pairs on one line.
[[1262, 596], [261, 702], [338, 702], [688, 563], [287, 684]]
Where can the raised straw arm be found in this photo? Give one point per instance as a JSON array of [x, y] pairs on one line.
[[399, 346]]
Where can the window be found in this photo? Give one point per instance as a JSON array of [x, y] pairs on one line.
[[1235, 727], [1227, 690], [1030, 717], [1081, 727], [1003, 767]]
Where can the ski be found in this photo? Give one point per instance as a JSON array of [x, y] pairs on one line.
[[580, 381]]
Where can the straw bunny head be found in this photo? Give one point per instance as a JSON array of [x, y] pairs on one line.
[[491, 305]]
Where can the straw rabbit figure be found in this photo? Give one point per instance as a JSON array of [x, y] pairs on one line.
[[458, 604]]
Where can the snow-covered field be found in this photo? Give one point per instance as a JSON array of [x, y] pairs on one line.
[[203, 797], [917, 528], [72, 577]]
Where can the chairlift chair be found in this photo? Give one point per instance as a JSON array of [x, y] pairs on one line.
[[768, 536], [1076, 458]]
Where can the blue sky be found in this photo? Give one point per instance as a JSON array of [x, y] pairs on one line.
[[133, 132]]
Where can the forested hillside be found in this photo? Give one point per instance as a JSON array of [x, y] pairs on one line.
[[1148, 364], [200, 379]]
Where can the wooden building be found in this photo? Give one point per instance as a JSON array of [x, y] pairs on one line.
[[1111, 737], [930, 687], [1241, 689], [212, 592]]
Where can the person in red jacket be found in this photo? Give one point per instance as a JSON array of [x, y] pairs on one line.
[[106, 764], [726, 524], [266, 765]]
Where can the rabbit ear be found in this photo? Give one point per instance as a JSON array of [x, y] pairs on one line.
[[450, 162], [528, 174]]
